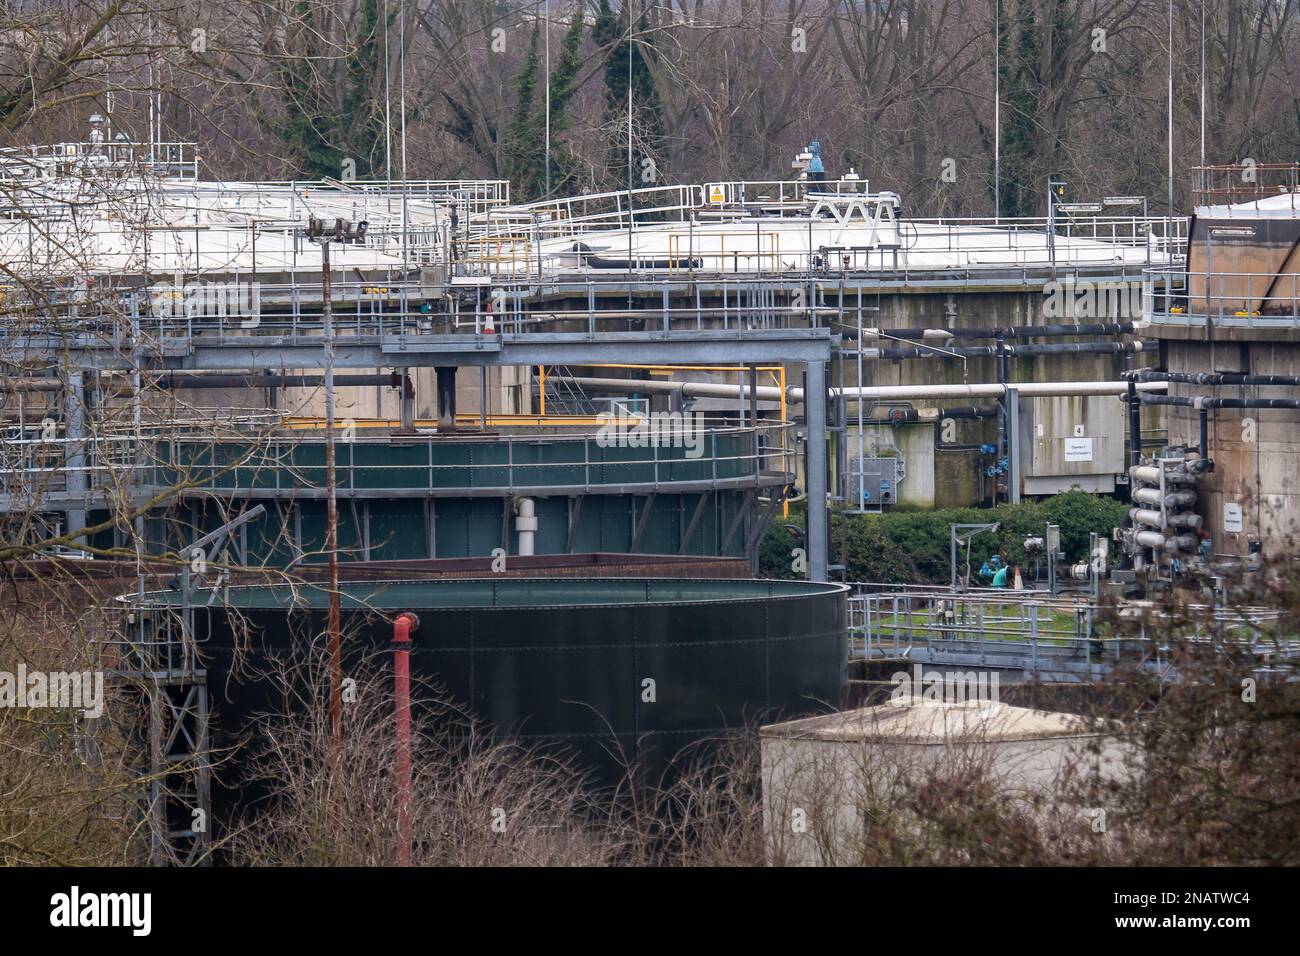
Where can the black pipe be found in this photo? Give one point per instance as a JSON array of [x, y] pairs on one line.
[[969, 411], [1206, 402], [1212, 378], [1203, 447], [1134, 425], [593, 261]]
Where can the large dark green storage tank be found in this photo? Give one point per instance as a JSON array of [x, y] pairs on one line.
[[564, 661]]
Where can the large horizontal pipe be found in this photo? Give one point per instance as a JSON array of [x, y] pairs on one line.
[[1171, 499], [1183, 520], [1212, 378], [1172, 543], [969, 411], [30, 384], [1003, 332], [1204, 402], [866, 393], [1018, 351]]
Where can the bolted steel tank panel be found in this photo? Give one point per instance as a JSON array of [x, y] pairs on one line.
[[651, 666]]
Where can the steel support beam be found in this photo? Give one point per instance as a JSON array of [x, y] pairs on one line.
[[694, 522], [276, 353], [818, 535]]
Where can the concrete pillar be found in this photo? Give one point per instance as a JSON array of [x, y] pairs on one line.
[[818, 537], [407, 403], [446, 398]]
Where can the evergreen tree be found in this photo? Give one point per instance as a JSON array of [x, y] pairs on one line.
[[611, 33], [523, 157], [327, 122]]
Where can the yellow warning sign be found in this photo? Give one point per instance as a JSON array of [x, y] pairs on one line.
[[715, 194]]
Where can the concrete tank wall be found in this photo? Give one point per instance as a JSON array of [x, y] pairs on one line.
[[1256, 452]]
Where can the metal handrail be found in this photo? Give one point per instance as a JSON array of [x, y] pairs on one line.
[[150, 463], [1256, 299]]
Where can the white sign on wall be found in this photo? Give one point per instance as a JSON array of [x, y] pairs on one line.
[[1232, 517], [1078, 449]]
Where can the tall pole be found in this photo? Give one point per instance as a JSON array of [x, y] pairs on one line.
[[388, 109], [631, 220], [1202, 82], [332, 508], [997, 110], [402, 627], [401, 66], [546, 30], [1171, 107]]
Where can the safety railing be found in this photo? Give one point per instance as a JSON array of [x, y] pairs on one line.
[[178, 160], [673, 241], [1038, 631], [126, 319], [658, 451], [1258, 300], [651, 451], [1248, 183]]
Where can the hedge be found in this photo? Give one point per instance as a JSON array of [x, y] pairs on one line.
[[911, 547]]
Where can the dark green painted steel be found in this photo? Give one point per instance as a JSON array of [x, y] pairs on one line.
[[405, 528], [562, 661], [430, 464]]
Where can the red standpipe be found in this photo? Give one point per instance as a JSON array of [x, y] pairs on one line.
[[405, 623]]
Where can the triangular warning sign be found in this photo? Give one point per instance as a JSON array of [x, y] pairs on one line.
[[716, 195]]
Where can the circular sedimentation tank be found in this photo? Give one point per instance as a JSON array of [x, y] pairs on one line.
[[647, 666]]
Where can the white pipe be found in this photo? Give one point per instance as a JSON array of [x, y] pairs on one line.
[[526, 525], [871, 392]]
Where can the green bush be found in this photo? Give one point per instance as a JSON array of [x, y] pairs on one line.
[[912, 546]]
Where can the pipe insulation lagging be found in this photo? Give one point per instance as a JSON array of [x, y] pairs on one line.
[[1171, 543], [1170, 499], [1189, 471], [1183, 520]]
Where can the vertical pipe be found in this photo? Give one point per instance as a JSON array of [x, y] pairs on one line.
[[526, 525], [1134, 425], [815, 470], [785, 462], [405, 623], [1013, 444], [1203, 447]]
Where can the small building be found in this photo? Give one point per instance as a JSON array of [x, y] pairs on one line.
[[825, 776]]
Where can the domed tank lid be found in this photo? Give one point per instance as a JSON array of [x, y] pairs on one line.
[[936, 722]]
